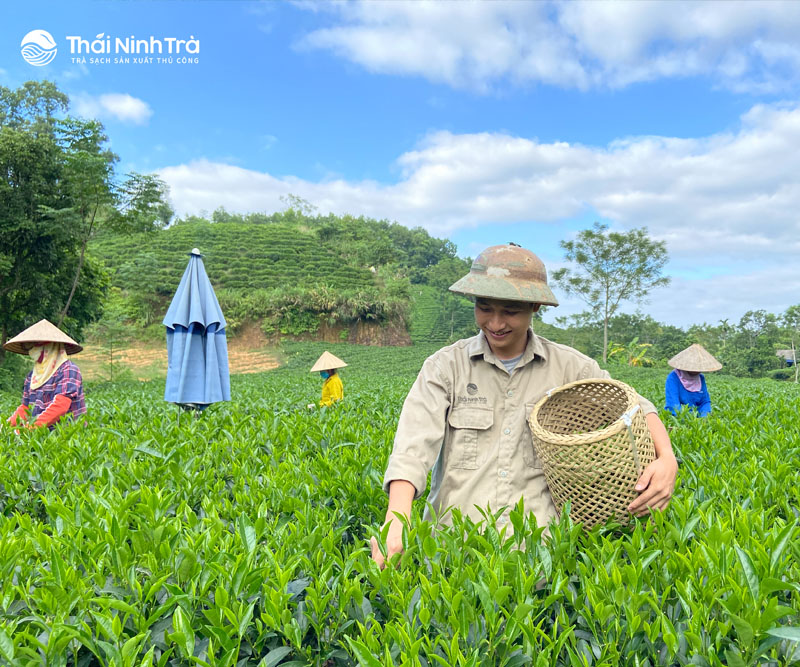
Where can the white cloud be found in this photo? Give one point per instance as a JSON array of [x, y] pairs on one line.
[[730, 192], [746, 45], [118, 106], [728, 296], [77, 71], [717, 201]]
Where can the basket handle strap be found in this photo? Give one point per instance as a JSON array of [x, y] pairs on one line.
[[627, 417]]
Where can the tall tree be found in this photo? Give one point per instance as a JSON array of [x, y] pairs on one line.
[[791, 322], [33, 250], [57, 187], [97, 200], [612, 267]]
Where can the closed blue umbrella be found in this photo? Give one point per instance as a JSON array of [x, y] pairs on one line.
[[197, 352]]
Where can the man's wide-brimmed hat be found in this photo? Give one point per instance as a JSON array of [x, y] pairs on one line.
[[695, 359], [326, 362], [509, 273], [41, 332]]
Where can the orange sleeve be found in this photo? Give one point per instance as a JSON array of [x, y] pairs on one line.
[[58, 408], [20, 413]]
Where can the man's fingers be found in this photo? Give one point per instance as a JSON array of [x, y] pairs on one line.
[[649, 500], [644, 479], [641, 501], [377, 556]]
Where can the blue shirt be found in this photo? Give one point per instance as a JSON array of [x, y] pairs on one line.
[[678, 395]]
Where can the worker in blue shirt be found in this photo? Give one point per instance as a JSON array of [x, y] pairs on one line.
[[686, 385]]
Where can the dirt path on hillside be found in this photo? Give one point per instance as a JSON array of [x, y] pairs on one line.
[[247, 353]]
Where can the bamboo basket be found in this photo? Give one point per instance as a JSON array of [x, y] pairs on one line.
[[593, 442]]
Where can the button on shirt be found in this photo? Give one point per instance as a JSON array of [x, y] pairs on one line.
[[465, 419]]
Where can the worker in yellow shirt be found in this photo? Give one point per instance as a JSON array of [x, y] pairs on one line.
[[332, 389]]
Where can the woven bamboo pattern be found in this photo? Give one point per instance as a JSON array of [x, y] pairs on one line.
[[593, 442]]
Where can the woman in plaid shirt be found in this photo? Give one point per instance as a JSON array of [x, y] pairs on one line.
[[54, 387]]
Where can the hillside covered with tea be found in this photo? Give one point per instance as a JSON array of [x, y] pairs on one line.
[[293, 272]]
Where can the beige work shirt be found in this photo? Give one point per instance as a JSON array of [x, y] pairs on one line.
[[466, 418]]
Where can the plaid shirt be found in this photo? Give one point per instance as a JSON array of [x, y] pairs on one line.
[[66, 380]]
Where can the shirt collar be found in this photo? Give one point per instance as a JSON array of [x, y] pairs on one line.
[[479, 347]]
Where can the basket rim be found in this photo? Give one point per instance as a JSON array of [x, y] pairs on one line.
[[578, 439]]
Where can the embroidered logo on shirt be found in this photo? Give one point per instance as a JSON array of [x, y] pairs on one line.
[[471, 400], [472, 389]]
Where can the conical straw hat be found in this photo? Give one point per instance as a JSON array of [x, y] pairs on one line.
[[327, 361], [42, 332], [695, 359]]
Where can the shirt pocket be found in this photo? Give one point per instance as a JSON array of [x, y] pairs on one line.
[[528, 451], [469, 428]]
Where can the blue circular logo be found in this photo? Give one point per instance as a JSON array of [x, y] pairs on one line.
[[38, 47]]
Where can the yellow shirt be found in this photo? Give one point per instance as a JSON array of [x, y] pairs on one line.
[[332, 390], [466, 418]]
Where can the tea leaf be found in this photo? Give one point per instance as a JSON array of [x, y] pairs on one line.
[[247, 533], [6, 646], [749, 573], [275, 656], [362, 653], [792, 633]]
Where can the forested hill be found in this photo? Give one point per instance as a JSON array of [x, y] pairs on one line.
[[293, 272]]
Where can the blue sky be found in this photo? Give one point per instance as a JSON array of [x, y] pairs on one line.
[[484, 122]]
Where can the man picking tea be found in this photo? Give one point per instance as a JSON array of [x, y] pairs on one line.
[[465, 416]]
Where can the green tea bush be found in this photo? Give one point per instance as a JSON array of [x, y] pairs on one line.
[[237, 256], [301, 309], [437, 316], [143, 535]]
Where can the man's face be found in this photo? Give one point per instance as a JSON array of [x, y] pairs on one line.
[[505, 324]]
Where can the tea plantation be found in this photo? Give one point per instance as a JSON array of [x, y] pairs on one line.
[[150, 537], [244, 256]]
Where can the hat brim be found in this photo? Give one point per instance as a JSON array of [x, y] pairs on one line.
[[327, 361], [695, 359], [504, 289], [38, 334], [20, 348]]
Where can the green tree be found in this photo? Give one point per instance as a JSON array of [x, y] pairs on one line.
[[753, 352], [665, 340], [142, 301], [297, 206], [57, 189], [612, 267], [791, 324], [38, 255], [96, 199], [110, 331]]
